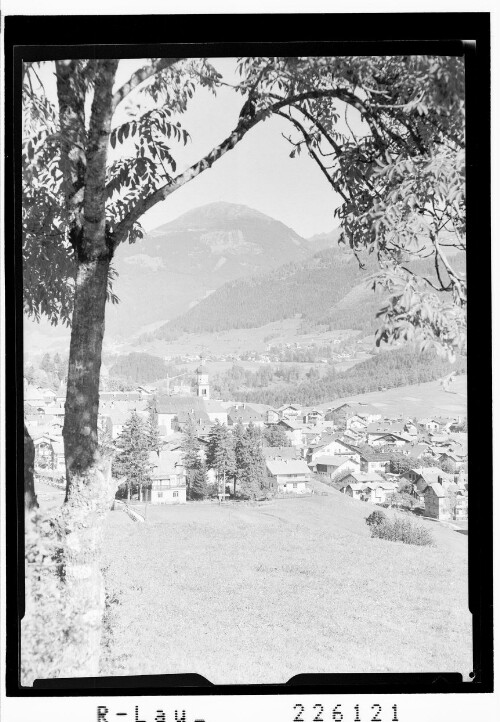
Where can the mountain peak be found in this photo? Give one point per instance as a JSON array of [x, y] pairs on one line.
[[220, 215]]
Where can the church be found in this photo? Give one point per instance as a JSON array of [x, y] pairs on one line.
[[174, 412]]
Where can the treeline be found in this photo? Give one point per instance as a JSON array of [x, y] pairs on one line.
[[313, 354], [49, 372], [388, 369], [229, 384], [142, 368]]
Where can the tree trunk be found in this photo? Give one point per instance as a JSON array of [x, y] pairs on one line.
[[30, 500], [82, 397], [89, 487]]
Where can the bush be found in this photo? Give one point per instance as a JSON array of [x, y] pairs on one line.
[[376, 518], [51, 623], [404, 530]]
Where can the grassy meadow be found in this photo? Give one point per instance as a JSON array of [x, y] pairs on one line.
[[243, 593]]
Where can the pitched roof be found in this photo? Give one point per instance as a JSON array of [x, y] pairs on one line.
[[362, 477], [289, 406], [333, 459], [243, 413], [167, 462], [178, 404], [212, 406], [357, 408], [437, 489], [373, 456], [287, 466], [430, 474]]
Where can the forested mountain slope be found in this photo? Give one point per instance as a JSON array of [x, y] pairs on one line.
[[328, 288]]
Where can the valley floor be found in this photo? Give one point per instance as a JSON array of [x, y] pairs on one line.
[[243, 593]]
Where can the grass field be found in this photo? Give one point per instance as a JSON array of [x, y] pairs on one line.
[[258, 593], [426, 399]]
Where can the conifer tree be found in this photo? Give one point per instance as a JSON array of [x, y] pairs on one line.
[[191, 453], [199, 483], [132, 461], [252, 472], [240, 451], [220, 454], [152, 430]]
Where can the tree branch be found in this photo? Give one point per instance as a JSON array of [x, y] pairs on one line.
[[97, 147], [156, 66], [244, 125]]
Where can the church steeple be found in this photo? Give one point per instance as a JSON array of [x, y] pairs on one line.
[[202, 386]]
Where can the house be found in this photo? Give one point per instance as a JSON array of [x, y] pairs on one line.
[[289, 411], [355, 478], [244, 414], [356, 423], [175, 411], [312, 416], [329, 445], [461, 510], [49, 453], [272, 416], [341, 414], [425, 476], [216, 412], [455, 462], [335, 466], [168, 478], [387, 434], [437, 504], [293, 430], [119, 417], [289, 475], [354, 489], [378, 492], [374, 462]]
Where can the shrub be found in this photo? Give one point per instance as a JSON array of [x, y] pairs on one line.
[[51, 623], [402, 529], [376, 518]]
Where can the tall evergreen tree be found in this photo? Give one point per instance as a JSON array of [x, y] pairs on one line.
[[191, 454], [240, 451], [199, 484], [220, 454], [152, 430], [132, 461], [253, 472]]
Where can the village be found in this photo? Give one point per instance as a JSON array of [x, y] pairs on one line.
[[418, 464]]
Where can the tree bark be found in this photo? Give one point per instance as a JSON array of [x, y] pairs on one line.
[[82, 395], [89, 487], [30, 500]]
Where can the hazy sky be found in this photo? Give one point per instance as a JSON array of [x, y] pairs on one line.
[[258, 172]]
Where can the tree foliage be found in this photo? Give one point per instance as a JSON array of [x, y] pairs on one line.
[[401, 178], [132, 459], [276, 436], [220, 453], [152, 428]]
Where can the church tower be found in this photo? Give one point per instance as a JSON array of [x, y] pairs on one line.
[[202, 387]]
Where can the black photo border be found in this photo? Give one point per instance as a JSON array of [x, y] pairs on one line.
[[467, 34]]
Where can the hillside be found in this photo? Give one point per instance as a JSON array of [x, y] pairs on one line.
[[182, 262], [328, 288], [309, 288], [298, 578], [389, 369]]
